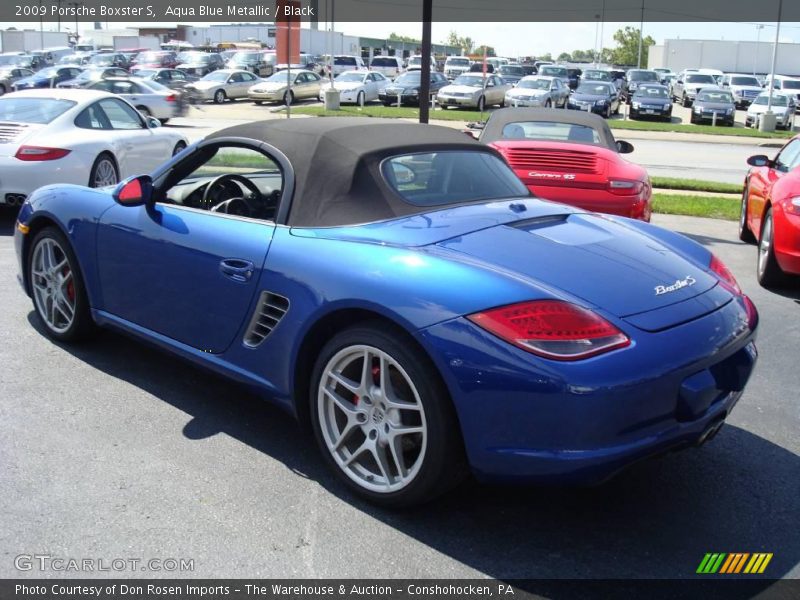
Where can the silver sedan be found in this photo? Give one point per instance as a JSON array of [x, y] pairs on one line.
[[9, 74], [539, 90], [224, 84], [473, 90]]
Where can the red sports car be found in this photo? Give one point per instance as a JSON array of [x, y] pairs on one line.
[[570, 157], [771, 213]]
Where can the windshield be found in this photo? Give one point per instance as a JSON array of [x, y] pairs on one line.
[[280, 77], [218, 76], [191, 57], [47, 73], [451, 177], [415, 61], [550, 131], [9, 60], [509, 70], [144, 73], [244, 57], [534, 84], [642, 76], [715, 96], [469, 80], [745, 81], [102, 59], [149, 57], [32, 110], [597, 75], [777, 100], [457, 62], [413, 77], [651, 92], [350, 77], [594, 89], [553, 71], [697, 78], [90, 75]]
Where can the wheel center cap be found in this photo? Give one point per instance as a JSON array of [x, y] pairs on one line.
[[378, 416]]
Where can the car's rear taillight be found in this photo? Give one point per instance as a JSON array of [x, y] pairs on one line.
[[171, 98], [625, 187], [35, 153], [552, 328], [725, 276]]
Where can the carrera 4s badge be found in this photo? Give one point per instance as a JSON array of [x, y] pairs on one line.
[[551, 175], [679, 284]]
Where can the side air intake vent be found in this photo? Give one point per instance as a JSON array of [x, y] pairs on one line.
[[269, 312]]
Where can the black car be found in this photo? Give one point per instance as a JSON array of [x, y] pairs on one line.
[[92, 74], [714, 105], [511, 73], [47, 77], [175, 79], [200, 64], [574, 78], [651, 100], [598, 97], [635, 78], [407, 87]]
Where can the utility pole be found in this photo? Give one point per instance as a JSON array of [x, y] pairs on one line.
[[641, 33], [58, 3], [76, 5], [774, 56], [41, 29], [425, 73], [759, 27]]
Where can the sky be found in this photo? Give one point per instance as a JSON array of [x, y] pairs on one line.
[[533, 39]]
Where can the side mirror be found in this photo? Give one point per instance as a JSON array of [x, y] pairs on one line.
[[759, 160], [403, 174], [134, 191], [152, 123], [624, 147]]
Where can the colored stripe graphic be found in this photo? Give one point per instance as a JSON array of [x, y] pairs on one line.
[[711, 562], [758, 563], [733, 563]]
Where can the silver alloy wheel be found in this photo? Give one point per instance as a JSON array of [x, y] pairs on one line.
[[104, 174], [765, 245], [53, 285], [372, 418], [743, 215]]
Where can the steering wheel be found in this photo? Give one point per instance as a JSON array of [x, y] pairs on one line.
[[217, 182]]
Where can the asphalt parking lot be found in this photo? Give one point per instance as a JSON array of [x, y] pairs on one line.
[[112, 449]]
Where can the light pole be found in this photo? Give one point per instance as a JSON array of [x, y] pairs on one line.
[[758, 41], [641, 33], [774, 56]]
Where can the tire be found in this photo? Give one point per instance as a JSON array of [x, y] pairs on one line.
[[744, 229], [257, 102], [59, 295], [179, 147], [145, 111], [163, 121], [608, 113], [502, 102], [768, 272], [104, 171], [357, 431], [481, 103], [288, 97], [220, 96], [360, 100], [547, 103], [684, 101]]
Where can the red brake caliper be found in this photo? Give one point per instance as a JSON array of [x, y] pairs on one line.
[[70, 285]]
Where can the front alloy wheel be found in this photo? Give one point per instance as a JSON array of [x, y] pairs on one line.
[[769, 272], [383, 418]]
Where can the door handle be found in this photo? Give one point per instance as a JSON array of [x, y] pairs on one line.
[[237, 269]]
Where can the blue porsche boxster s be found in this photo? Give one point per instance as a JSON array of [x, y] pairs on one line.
[[398, 289]]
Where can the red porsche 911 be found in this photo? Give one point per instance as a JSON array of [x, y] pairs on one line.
[[770, 213], [570, 157]]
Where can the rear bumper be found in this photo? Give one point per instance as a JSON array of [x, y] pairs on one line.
[[787, 241], [19, 178], [602, 201], [526, 419]]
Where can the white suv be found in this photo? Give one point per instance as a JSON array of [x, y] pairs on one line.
[[345, 62], [745, 88], [388, 66], [455, 66], [415, 63]]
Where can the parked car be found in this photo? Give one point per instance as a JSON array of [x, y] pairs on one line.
[[714, 104], [406, 87], [473, 90], [225, 84], [109, 59], [174, 79], [198, 63], [651, 100], [598, 97], [745, 88], [276, 88], [511, 74], [346, 62], [8, 59], [575, 76], [687, 85], [161, 59], [356, 87], [75, 136], [150, 98], [307, 63], [45, 78], [388, 66], [596, 75], [571, 157], [250, 60], [770, 214], [555, 71], [90, 75], [787, 86], [663, 75], [10, 74], [415, 63], [538, 90], [79, 59], [455, 66], [32, 62], [783, 107], [405, 319], [636, 77]]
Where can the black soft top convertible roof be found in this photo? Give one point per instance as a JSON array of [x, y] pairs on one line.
[[493, 131], [336, 163]]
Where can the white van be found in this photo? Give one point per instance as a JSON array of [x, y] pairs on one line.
[[388, 66], [346, 62], [53, 55], [415, 63]]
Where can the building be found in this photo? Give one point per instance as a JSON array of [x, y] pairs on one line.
[[726, 55]]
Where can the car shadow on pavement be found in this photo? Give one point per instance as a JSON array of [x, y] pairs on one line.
[[738, 493]]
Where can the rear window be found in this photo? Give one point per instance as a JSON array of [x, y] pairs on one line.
[[745, 81], [384, 62], [344, 60], [642, 76], [550, 131], [451, 177], [553, 71], [696, 78], [32, 110]]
